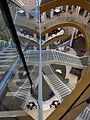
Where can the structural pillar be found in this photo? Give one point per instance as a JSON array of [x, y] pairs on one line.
[[61, 8], [47, 48], [72, 8], [84, 13], [51, 13], [73, 32], [76, 31], [46, 36], [77, 11], [35, 48], [43, 18], [35, 36], [87, 18], [27, 15], [67, 6]]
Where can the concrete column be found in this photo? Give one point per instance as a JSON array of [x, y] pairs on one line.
[[35, 48], [35, 36], [27, 15], [72, 8], [67, 6], [84, 13], [76, 31], [43, 17], [78, 10], [51, 13], [88, 17], [47, 48], [73, 32], [61, 8], [46, 36]]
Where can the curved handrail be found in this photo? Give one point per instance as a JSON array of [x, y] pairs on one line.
[[56, 3], [73, 22], [69, 24], [80, 93], [27, 28], [21, 35], [50, 41], [65, 24]]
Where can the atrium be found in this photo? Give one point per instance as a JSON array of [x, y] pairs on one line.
[[44, 60]]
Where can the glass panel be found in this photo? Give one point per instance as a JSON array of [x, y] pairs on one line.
[[4, 34], [47, 66], [27, 18], [14, 83], [19, 86], [13, 9], [8, 61]]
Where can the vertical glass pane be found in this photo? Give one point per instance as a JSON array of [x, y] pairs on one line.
[[8, 63], [27, 27], [49, 56], [14, 83]]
